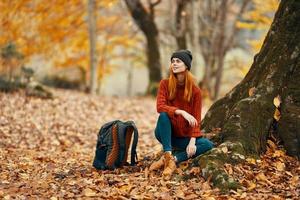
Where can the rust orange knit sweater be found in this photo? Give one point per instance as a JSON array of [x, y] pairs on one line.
[[180, 126]]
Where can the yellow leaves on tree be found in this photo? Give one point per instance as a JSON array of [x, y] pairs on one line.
[[259, 18], [58, 30]]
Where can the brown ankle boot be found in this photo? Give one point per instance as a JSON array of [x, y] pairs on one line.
[[170, 166], [157, 164]]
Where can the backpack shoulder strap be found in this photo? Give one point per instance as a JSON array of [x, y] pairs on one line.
[[107, 125], [122, 127], [134, 142]]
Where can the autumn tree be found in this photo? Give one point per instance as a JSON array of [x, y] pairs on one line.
[[59, 32], [144, 18], [217, 35], [246, 114], [10, 57]]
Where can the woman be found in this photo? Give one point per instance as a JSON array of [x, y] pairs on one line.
[[178, 125]]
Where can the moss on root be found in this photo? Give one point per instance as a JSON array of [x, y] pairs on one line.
[[213, 170], [212, 164]]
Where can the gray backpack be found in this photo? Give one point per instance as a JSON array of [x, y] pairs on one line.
[[113, 143]]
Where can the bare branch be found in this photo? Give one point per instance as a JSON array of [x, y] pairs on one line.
[[234, 28], [155, 3], [151, 7]]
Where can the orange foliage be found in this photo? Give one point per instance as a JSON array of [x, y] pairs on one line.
[[58, 30]]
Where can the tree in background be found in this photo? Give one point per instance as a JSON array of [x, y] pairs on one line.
[[144, 18], [58, 31], [10, 58], [92, 19], [217, 35]]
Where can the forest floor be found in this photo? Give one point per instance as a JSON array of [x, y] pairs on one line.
[[47, 148]]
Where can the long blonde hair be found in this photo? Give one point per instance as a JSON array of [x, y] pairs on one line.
[[188, 89]]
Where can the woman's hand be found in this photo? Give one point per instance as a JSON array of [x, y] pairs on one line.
[[191, 147], [190, 118]]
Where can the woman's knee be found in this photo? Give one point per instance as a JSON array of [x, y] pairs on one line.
[[206, 143], [163, 117]]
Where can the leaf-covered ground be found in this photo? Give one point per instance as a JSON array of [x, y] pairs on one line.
[[47, 148]]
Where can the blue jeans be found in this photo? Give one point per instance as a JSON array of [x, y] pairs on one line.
[[163, 133]]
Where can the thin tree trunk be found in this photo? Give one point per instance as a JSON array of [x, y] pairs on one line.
[[219, 75], [207, 80], [153, 60], [220, 51], [129, 81], [180, 28], [145, 21], [93, 40]]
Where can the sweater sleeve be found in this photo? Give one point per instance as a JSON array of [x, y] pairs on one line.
[[197, 102], [162, 99]]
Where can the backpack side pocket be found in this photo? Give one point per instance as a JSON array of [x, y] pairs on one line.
[[113, 153], [100, 157]]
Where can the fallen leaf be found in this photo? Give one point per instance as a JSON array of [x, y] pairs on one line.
[[180, 194], [288, 173], [278, 153], [295, 180], [277, 101], [224, 149], [228, 168], [183, 165], [209, 198], [146, 172], [277, 115], [89, 192], [261, 177], [191, 196], [251, 160], [252, 91], [244, 195], [250, 185], [280, 166], [165, 195], [205, 186], [125, 187], [7, 197], [272, 144], [195, 170]]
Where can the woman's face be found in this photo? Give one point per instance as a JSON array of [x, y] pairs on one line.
[[177, 66]]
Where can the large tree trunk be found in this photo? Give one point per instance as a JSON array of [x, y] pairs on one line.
[[145, 21], [245, 114]]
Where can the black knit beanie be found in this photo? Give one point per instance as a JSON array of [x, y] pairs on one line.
[[185, 56]]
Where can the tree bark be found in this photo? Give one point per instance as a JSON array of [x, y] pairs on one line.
[[245, 117], [92, 39], [145, 21]]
